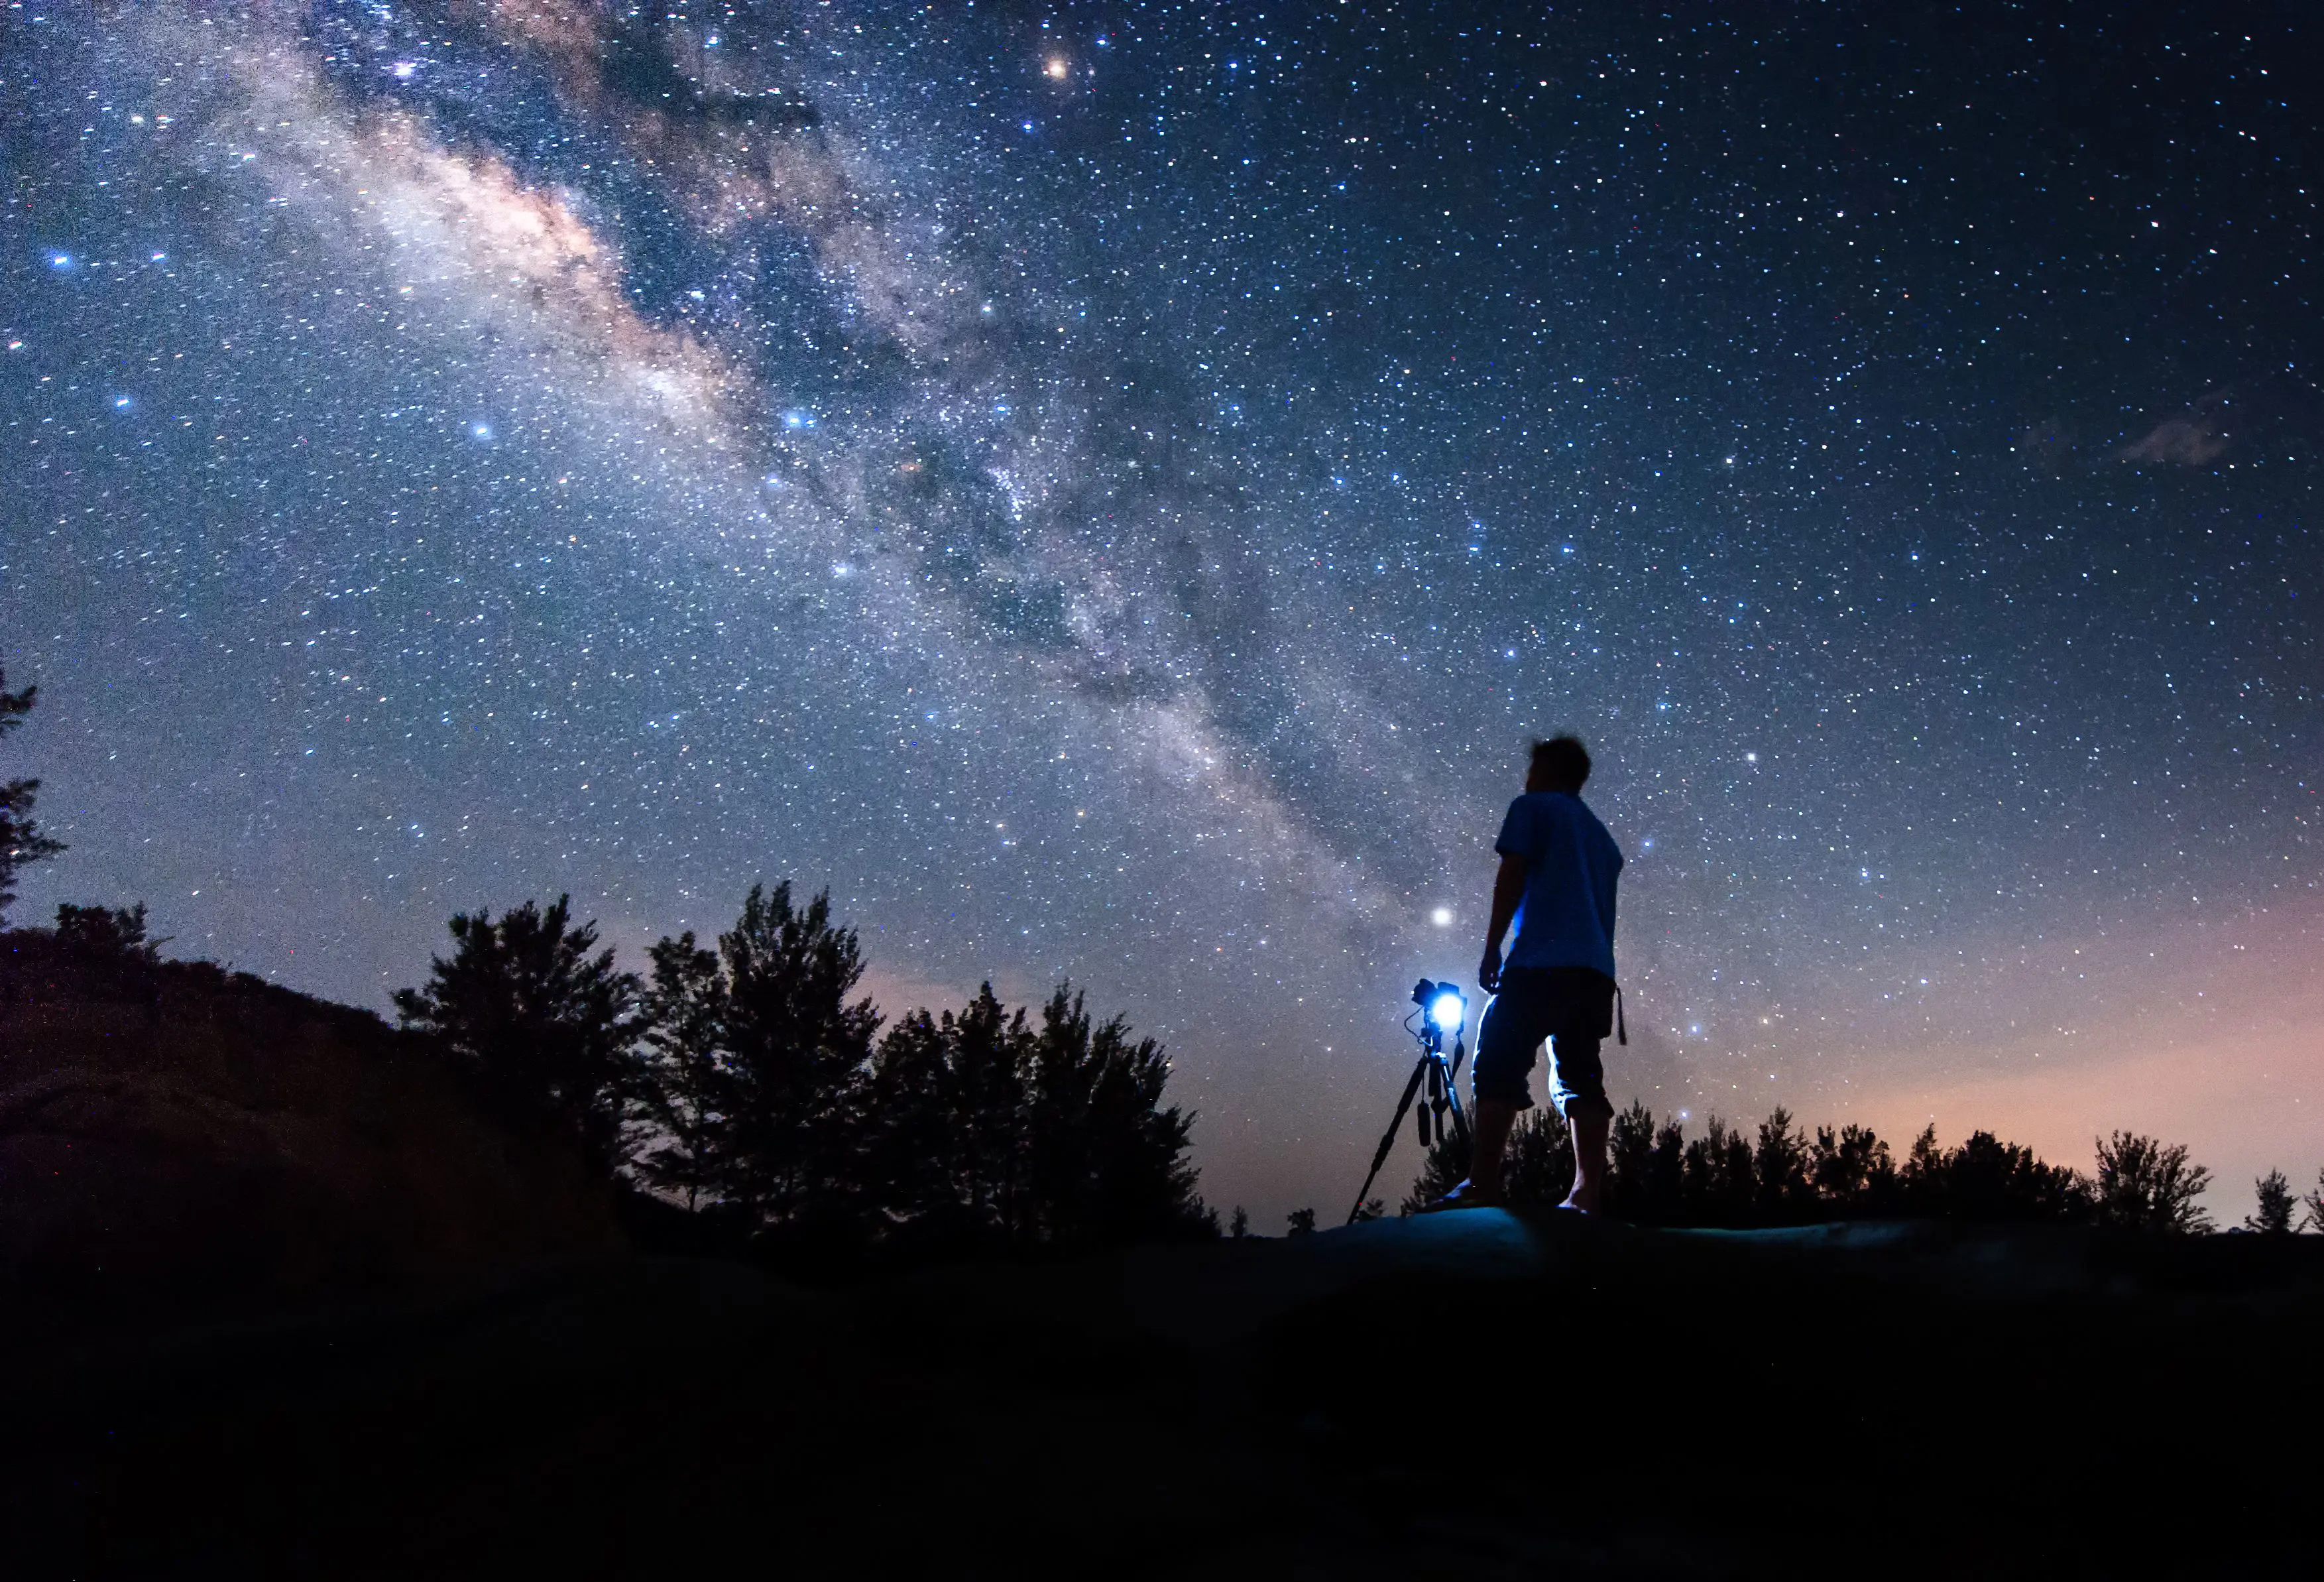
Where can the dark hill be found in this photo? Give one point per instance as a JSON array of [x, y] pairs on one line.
[[1468, 1396], [178, 1141]]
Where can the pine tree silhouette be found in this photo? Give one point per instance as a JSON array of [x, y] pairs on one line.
[[1630, 1167], [2276, 1202], [1441, 1169], [1726, 1178], [1718, 1182], [21, 840], [1987, 1179], [1779, 1173], [1853, 1172], [1538, 1167], [1666, 1175]]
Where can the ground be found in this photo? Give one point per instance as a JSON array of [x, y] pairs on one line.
[[1472, 1395], [279, 1297]]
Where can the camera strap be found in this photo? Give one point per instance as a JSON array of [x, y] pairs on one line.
[[1621, 1027]]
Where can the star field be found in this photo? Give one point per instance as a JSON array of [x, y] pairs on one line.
[[1111, 491]]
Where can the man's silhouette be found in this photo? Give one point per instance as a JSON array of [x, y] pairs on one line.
[[1556, 884]]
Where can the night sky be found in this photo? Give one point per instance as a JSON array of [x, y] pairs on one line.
[[1111, 491]]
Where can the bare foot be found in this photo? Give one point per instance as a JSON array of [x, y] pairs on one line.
[[1466, 1195]]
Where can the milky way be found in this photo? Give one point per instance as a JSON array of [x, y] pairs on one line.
[[1110, 492]]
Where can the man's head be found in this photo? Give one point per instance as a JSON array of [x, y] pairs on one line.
[[1560, 764]]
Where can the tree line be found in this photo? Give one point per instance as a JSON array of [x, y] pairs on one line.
[[740, 1080], [745, 1080], [1778, 1175]]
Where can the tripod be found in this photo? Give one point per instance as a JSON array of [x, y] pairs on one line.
[[1441, 1073]]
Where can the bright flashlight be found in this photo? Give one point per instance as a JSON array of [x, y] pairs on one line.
[[1444, 1007], [1448, 1011]]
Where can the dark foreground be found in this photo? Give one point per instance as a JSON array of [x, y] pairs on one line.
[[1894, 1401]]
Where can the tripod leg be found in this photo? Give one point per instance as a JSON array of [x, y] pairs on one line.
[[1379, 1157], [1459, 1121]]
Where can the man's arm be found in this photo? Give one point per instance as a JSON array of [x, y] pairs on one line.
[[1508, 890]]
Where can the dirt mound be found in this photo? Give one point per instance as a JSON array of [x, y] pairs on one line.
[[175, 1139]]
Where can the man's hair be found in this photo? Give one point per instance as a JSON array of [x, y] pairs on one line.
[[1563, 761]]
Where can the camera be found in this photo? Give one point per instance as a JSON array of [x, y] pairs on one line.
[[1443, 1012]]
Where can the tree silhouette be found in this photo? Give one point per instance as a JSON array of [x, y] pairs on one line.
[[1987, 1180], [1922, 1180], [2146, 1185], [760, 1089], [1538, 1167], [108, 931], [1728, 1178], [979, 1129], [21, 840], [1441, 1169], [994, 1109], [1853, 1172], [1779, 1172], [1302, 1222], [2314, 1219], [943, 1161], [1630, 1167], [792, 1048], [906, 1165], [678, 1095], [1667, 1175], [1239, 1224], [1719, 1178], [1107, 1160], [2276, 1204], [547, 1027]]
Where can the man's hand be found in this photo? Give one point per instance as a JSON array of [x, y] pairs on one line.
[[1508, 890]]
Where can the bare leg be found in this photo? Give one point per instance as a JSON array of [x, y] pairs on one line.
[[1588, 1158], [1494, 1118]]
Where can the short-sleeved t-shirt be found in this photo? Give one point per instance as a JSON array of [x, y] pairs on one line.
[[1567, 916]]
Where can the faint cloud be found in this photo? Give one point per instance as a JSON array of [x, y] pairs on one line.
[[2190, 439]]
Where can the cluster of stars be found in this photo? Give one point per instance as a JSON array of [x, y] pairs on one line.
[[1117, 504]]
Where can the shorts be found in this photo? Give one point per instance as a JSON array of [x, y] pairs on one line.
[[1571, 1007]]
